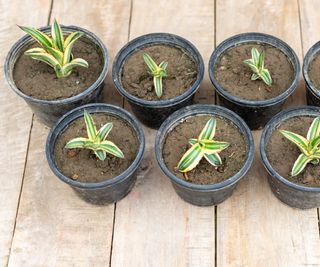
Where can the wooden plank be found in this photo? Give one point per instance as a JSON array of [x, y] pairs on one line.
[[54, 227], [153, 226], [15, 117], [253, 227]]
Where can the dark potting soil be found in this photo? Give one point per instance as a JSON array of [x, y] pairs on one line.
[[181, 70], [233, 157], [314, 68], [282, 153], [235, 77], [82, 164], [38, 80]]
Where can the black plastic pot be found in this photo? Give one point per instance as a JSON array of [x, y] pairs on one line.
[[110, 190], [197, 194], [255, 113], [313, 94], [49, 111], [294, 195], [153, 113]]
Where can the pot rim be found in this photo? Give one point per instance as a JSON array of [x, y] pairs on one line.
[[312, 52], [76, 113], [26, 40], [255, 37], [204, 109], [151, 39], [270, 127]]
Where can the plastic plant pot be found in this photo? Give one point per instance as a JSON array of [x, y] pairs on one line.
[[49, 111], [256, 113], [153, 113], [199, 194], [313, 94], [292, 194], [110, 190]]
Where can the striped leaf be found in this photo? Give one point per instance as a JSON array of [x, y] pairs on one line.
[[91, 128], [111, 148], [265, 76], [260, 64], [213, 159], [150, 63], [255, 76], [43, 39], [212, 147], [163, 65], [209, 130], [313, 145], [71, 39], [104, 131], [190, 159], [250, 63], [56, 54], [44, 57], [300, 164], [78, 142], [100, 154], [77, 62], [297, 139], [193, 141], [57, 36], [255, 55], [158, 85], [314, 130]]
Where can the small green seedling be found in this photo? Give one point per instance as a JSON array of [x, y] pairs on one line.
[[308, 146], [204, 146], [55, 51], [96, 140], [256, 63], [158, 72]]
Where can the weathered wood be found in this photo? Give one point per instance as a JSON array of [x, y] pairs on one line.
[[55, 227], [153, 226], [253, 227], [15, 117]]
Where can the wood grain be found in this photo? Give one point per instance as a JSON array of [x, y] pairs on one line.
[[153, 226], [253, 227], [55, 227], [15, 118]]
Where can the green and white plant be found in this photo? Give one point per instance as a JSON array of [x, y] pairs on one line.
[[55, 51], [158, 72], [203, 146], [96, 140], [256, 63], [309, 147]]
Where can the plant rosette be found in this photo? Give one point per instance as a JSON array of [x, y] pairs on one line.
[[96, 149], [254, 74], [204, 150], [311, 64], [289, 150], [38, 84], [158, 74]]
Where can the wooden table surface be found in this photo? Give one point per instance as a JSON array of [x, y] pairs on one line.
[[42, 221]]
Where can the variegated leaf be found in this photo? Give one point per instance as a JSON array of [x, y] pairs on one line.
[[297, 139], [209, 130], [265, 76], [91, 128], [212, 147], [111, 148], [158, 85], [104, 131], [100, 154], [44, 57], [43, 39], [300, 164], [150, 63], [77, 62], [57, 36], [71, 39], [79, 142], [213, 159], [255, 56], [190, 159], [314, 130]]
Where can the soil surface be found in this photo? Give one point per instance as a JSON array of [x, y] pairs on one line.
[[314, 68], [235, 77], [82, 164], [38, 80], [282, 154], [182, 72], [233, 157]]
